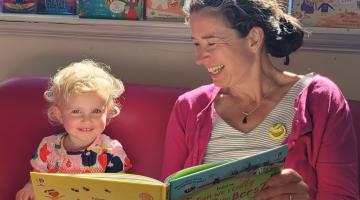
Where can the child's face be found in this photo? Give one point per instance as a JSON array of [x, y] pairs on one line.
[[84, 116]]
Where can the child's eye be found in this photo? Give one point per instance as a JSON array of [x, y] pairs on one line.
[[97, 110], [76, 111]]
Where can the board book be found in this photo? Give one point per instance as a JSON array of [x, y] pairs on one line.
[[236, 179]]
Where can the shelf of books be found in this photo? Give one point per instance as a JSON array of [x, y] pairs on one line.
[[318, 38], [86, 28]]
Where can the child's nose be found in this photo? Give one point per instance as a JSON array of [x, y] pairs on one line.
[[86, 117]]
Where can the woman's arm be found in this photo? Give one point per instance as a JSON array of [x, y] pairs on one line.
[[175, 150], [333, 132]]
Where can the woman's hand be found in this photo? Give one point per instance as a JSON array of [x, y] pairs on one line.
[[26, 193], [288, 185]]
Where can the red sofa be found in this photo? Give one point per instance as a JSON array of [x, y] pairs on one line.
[[140, 127]]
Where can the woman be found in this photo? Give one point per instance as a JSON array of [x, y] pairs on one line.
[[253, 106]]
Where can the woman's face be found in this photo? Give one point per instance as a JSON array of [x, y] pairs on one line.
[[219, 49]]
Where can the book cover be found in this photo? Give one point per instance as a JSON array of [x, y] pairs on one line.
[[111, 9], [19, 6], [57, 7], [96, 186], [327, 13], [165, 10], [237, 179]]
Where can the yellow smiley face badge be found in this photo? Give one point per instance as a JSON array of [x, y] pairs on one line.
[[277, 131]]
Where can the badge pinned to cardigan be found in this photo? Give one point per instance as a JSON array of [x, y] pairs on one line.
[[277, 131]]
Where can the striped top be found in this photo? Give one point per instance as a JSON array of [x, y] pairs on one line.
[[228, 143]]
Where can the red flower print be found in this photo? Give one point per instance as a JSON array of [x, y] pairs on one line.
[[103, 161], [44, 152], [127, 163], [68, 163]]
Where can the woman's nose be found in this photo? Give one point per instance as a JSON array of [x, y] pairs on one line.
[[200, 56]]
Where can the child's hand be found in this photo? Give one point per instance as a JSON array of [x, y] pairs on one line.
[[26, 193]]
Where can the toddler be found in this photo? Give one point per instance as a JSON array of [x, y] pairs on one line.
[[82, 98]]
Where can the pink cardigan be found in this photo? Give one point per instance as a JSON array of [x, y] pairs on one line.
[[322, 143]]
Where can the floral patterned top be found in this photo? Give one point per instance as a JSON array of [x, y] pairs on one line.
[[103, 155]]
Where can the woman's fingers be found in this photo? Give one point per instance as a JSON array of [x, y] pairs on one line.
[[286, 185], [291, 197], [298, 189], [286, 176]]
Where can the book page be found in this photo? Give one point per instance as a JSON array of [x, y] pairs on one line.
[[238, 179]]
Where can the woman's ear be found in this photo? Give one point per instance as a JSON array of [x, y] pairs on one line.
[[256, 38]]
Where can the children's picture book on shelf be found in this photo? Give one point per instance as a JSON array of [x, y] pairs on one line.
[[165, 10], [327, 13], [19, 6], [236, 179], [111, 9], [56, 7]]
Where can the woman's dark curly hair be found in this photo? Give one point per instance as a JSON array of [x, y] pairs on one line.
[[283, 33]]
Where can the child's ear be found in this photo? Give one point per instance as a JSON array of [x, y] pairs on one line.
[[113, 111], [56, 114]]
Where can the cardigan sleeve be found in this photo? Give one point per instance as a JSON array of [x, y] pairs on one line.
[[334, 143], [175, 150]]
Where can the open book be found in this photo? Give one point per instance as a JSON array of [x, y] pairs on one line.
[[237, 179]]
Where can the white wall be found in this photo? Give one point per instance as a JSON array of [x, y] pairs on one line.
[[152, 52], [137, 62], [341, 67]]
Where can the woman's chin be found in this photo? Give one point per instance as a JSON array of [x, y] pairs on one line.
[[216, 79], [218, 83]]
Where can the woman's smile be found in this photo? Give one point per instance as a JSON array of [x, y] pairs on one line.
[[216, 69]]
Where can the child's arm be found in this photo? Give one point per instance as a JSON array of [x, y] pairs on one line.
[[26, 193], [38, 165]]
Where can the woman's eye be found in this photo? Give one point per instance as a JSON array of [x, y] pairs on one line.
[[212, 43], [196, 44]]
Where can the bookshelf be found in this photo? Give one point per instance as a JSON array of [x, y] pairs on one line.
[[320, 39]]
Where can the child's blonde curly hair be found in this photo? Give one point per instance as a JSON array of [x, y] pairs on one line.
[[80, 77]]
